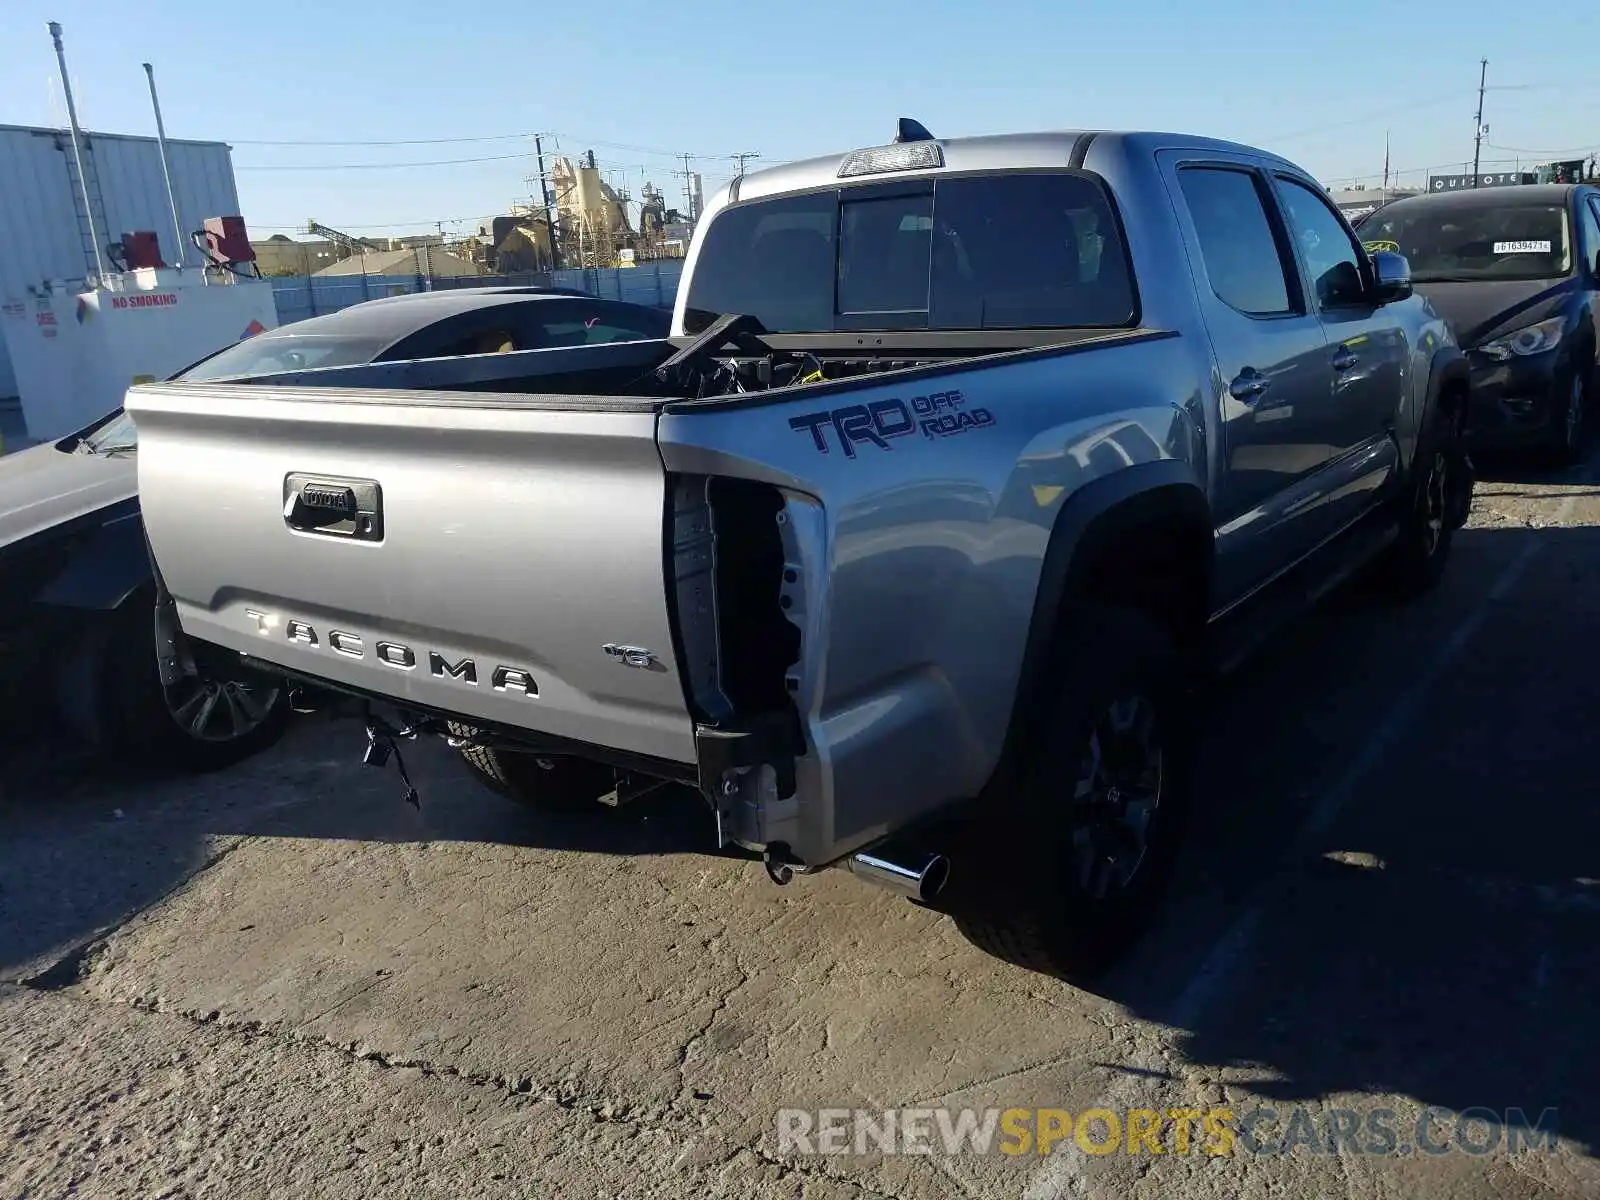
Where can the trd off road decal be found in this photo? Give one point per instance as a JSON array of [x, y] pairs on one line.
[[936, 415]]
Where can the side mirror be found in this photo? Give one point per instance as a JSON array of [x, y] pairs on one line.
[[1391, 277]]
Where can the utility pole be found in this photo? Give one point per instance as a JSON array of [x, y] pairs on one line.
[[548, 201], [740, 158], [688, 186], [1477, 136]]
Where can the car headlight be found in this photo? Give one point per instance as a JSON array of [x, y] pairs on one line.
[[1530, 339]]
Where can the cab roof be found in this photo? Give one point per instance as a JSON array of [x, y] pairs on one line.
[[1051, 148]]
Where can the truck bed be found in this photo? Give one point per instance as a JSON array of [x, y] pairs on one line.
[[565, 547]]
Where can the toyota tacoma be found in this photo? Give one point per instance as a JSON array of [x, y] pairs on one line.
[[966, 464]]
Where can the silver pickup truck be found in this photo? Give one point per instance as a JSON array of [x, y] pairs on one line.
[[967, 462]]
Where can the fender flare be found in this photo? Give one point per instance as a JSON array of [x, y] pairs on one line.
[[1449, 366], [1087, 520]]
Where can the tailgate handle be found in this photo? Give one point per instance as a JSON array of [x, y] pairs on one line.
[[335, 506]]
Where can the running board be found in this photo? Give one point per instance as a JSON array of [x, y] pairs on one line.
[[1244, 629]]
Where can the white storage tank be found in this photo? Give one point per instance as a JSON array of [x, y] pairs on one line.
[[75, 354], [43, 236]]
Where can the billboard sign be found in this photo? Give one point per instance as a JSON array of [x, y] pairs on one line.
[[1460, 183]]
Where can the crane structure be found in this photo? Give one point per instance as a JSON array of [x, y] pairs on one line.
[[345, 241]]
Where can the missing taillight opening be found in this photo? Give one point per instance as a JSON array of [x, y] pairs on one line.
[[737, 645]]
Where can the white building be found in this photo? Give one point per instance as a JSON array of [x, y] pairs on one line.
[[1356, 203], [43, 234]]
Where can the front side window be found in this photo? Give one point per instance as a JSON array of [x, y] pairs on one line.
[[1494, 237], [1333, 267], [1021, 250]]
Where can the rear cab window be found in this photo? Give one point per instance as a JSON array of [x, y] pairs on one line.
[[1020, 250]]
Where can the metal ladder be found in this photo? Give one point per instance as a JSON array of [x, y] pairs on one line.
[[88, 230]]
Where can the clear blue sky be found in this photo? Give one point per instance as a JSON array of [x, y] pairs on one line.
[[638, 82]]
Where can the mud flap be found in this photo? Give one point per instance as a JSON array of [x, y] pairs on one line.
[[172, 653]]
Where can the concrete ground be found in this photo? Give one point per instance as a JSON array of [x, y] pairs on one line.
[[281, 981]]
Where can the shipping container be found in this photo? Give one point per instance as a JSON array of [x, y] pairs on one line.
[[42, 232]]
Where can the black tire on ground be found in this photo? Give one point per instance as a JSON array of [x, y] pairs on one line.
[[1572, 421], [200, 725], [1436, 505], [548, 783], [1032, 901]]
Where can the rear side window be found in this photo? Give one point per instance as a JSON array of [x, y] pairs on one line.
[[586, 331], [1241, 253], [1014, 251], [284, 352]]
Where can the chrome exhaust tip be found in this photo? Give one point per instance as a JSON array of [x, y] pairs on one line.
[[915, 875]]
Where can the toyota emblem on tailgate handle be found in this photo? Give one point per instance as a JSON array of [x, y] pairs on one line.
[[333, 506]]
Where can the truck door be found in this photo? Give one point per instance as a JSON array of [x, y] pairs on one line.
[[1370, 356], [1276, 378]]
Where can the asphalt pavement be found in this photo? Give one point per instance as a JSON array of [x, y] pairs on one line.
[[282, 981]]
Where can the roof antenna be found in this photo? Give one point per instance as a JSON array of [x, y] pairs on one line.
[[907, 130]]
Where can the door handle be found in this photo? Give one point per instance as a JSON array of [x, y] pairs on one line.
[[1248, 385], [1344, 358]]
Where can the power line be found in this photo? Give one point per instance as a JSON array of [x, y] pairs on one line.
[[655, 151], [428, 223], [379, 166], [1540, 153], [442, 141], [1385, 115]]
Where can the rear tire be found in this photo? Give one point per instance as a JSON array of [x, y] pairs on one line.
[[1075, 875], [548, 783], [204, 723]]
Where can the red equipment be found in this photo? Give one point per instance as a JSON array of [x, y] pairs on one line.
[[141, 249], [227, 241]]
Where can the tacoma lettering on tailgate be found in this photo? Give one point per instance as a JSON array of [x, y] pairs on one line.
[[502, 678]]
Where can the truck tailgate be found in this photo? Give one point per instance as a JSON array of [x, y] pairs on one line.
[[470, 552]]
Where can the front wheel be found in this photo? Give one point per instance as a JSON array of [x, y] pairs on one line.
[[1076, 865], [1573, 419]]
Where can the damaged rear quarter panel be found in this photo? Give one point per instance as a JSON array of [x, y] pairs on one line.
[[933, 541]]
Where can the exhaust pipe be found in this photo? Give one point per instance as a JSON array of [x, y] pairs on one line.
[[917, 875]]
